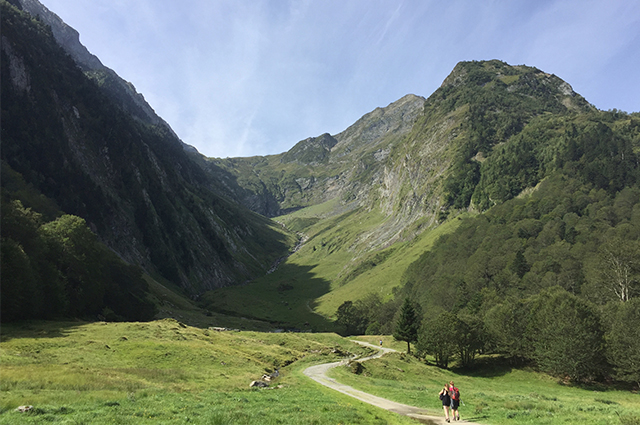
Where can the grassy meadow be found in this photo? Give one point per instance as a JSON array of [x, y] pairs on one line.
[[494, 394], [165, 372]]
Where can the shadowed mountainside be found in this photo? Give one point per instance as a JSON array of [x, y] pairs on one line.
[[128, 177]]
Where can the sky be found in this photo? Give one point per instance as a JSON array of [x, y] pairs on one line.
[[238, 78]]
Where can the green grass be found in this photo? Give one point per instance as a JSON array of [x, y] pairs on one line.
[[386, 275], [172, 305], [165, 372], [497, 395]]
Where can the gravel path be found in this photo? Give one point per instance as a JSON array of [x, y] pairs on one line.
[[319, 374]]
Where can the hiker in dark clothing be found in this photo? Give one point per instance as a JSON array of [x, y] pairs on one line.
[[446, 401], [454, 394]]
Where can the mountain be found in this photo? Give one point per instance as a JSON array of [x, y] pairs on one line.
[[377, 200], [316, 169], [97, 151], [413, 160], [505, 210], [121, 92]]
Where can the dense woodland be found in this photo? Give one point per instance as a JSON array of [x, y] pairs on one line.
[[547, 276]]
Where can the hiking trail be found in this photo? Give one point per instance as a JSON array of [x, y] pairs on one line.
[[319, 374]]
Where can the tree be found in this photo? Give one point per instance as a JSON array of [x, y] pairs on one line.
[[74, 249], [623, 341], [620, 267], [519, 265], [468, 335], [407, 324], [350, 318], [566, 334], [435, 338], [506, 326], [21, 298]]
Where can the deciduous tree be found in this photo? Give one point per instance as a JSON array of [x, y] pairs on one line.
[[435, 338], [567, 335], [623, 341]]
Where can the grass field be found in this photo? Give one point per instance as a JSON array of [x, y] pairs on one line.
[[495, 395], [165, 372]]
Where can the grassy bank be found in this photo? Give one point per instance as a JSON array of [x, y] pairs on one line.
[[165, 372]]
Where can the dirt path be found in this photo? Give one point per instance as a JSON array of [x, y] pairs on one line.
[[319, 374]]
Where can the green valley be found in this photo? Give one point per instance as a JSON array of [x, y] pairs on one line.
[[493, 227]]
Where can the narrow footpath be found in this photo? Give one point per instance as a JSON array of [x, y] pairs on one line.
[[319, 374]]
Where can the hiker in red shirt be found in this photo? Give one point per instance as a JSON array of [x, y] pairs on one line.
[[454, 393]]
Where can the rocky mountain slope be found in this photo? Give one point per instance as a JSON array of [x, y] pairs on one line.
[[121, 92], [414, 160], [109, 161]]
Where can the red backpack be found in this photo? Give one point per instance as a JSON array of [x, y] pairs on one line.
[[454, 393]]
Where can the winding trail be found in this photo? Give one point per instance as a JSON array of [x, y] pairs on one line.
[[319, 374]]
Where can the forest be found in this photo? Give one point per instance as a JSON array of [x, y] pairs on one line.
[[548, 274]]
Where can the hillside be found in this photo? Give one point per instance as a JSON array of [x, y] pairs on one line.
[[511, 201], [374, 191], [130, 180]]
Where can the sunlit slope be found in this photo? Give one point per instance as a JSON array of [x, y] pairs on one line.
[[332, 265]]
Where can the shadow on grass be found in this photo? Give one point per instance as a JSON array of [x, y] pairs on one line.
[[478, 418], [37, 329], [284, 298], [489, 367]]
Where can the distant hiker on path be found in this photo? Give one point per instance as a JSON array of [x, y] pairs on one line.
[[380, 343], [454, 393], [446, 401]]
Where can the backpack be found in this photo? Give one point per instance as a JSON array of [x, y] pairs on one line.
[[455, 393]]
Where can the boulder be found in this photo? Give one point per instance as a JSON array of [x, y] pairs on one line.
[[259, 384]]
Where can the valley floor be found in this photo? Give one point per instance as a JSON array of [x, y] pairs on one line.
[[166, 372]]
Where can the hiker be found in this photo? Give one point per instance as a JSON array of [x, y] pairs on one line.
[[446, 401], [380, 343], [454, 394]]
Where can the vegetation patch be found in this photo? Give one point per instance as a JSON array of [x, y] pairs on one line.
[[87, 373]]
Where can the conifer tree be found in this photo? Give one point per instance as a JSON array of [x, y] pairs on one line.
[[407, 324]]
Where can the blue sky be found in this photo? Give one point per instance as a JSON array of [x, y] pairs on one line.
[[254, 77]]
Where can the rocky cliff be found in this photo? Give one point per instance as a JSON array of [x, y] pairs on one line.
[[127, 176]]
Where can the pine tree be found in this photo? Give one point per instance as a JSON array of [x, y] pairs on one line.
[[407, 325]]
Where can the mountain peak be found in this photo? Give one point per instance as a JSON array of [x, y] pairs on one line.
[[471, 79], [312, 150], [396, 118], [66, 36]]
